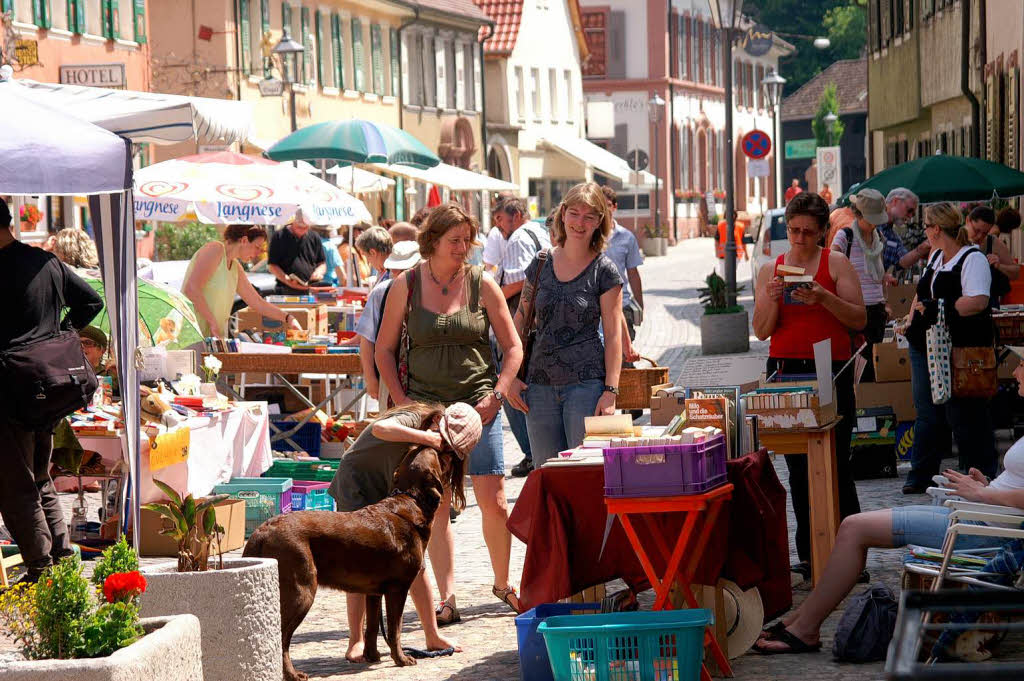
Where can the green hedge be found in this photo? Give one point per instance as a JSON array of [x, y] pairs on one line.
[[180, 241]]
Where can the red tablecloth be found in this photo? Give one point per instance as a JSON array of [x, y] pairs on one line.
[[560, 516]]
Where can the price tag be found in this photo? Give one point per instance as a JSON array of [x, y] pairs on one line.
[[169, 449]]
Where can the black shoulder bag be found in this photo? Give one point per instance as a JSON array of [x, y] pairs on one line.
[[49, 378]]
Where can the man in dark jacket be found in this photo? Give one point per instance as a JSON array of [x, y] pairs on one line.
[[30, 308]]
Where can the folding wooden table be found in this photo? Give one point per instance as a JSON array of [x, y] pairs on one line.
[[700, 512], [819, 445]]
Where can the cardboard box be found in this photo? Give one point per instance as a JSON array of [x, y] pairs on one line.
[[812, 416], [897, 395], [892, 363], [665, 407], [899, 298], [312, 318], [230, 515]]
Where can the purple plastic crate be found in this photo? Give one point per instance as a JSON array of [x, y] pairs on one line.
[[664, 470], [310, 496]]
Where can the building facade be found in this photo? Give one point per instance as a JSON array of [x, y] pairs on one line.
[[671, 49]]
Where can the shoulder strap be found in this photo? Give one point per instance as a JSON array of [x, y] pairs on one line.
[[988, 244], [59, 289], [848, 232], [529, 313], [475, 275], [534, 239], [410, 282]]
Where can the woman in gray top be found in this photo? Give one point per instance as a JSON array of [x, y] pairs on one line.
[[571, 374]]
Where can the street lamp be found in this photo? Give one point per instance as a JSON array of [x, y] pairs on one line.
[[772, 85], [289, 50], [654, 106], [726, 16], [830, 125]]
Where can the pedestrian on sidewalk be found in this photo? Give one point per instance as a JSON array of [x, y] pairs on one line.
[[571, 374], [448, 309], [624, 251], [35, 284], [829, 308]]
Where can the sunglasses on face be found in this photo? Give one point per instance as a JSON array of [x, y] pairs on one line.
[[810, 234], [89, 343]]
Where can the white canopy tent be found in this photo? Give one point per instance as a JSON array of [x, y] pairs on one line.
[[45, 151], [454, 178], [359, 181]]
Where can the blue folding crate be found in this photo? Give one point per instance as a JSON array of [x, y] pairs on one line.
[[306, 438], [533, 654], [264, 498]]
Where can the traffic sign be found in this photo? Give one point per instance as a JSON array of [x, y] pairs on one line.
[[756, 144], [637, 160]]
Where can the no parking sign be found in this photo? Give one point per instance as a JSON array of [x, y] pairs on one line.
[[756, 144], [830, 169]]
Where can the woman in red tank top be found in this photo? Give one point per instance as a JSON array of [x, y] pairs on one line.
[[830, 307]]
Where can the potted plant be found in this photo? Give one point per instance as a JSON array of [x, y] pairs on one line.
[[238, 603], [655, 243], [67, 628], [30, 217], [211, 369], [724, 328]]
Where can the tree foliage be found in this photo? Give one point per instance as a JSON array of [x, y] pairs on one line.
[[829, 103], [843, 22]]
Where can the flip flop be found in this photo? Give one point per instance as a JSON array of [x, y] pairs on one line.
[[773, 630], [796, 646]]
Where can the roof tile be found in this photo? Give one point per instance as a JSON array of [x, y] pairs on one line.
[[507, 15], [851, 79], [465, 8]]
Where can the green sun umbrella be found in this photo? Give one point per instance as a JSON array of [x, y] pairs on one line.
[[947, 178], [353, 141], [166, 316]]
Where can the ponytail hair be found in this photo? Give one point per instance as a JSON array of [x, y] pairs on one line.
[[235, 233], [962, 237], [949, 219]]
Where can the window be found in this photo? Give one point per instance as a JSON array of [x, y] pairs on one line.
[[358, 56], [706, 28], [535, 92], [694, 67], [594, 34], [520, 94], [417, 89], [307, 43], [685, 136], [451, 74], [58, 13], [377, 58], [553, 93], [469, 82], [321, 32], [290, 18], [93, 16], [393, 46], [570, 96], [337, 53], [429, 72], [750, 86], [758, 77]]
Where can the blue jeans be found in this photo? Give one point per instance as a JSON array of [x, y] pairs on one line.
[[487, 458], [555, 420], [968, 419]]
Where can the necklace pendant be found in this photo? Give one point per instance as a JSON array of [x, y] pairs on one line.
[[444, 290]]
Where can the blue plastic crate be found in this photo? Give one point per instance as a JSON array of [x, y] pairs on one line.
[[311, 496], [264, 498], [533, 654], [667, 645], [307, 437]]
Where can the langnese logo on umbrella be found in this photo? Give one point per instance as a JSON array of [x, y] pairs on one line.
[[160, 188], [245, 192]]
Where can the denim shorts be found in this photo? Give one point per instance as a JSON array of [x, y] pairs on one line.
[[926, 526], [487, 458]]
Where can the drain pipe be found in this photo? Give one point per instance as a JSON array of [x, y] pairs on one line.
[[965, 71], [670, 186], [238, 51]]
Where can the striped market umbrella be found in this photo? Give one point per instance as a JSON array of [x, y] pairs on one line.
[[353, 141]]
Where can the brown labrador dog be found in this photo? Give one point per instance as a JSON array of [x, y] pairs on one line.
[[377, 550]]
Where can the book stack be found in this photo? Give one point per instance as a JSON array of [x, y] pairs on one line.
[[793, 278], [786, 407], [711, 412]]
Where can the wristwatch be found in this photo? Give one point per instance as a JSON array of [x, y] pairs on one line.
[[498, 396], [611, 389], [288, 317]]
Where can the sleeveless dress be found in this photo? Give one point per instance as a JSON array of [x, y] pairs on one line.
[[799, 327], [219, 293]]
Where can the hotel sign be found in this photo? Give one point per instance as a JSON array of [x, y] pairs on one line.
[[94, 75]]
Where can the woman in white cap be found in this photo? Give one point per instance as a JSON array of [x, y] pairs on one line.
[[862, 243], [365, 476]]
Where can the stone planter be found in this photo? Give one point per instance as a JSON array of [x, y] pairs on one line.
[[655, 246], [170, 651], [239, 608], [722, 334]]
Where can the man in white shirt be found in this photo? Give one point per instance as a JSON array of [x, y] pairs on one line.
[[624, 251], [494, 250]]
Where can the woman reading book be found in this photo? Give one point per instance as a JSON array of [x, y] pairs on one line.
[[828, 306]]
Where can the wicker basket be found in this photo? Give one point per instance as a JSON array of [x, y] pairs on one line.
[[635, 385]]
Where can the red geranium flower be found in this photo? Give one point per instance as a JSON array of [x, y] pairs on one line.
[[122, 586]]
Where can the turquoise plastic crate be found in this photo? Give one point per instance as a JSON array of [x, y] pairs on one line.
[[264, 498], [311, 496], [627, 646]]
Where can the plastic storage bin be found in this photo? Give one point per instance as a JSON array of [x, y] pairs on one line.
[[307, 437], [311, 496], [627, 646], [664, 471], [313, 471], [533, 654], [264, 498]]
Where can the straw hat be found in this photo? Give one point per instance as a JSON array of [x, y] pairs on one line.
[[460, 427], [404, 254], [871, 205], [744, 617]]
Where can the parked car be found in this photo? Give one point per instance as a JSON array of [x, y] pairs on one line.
[[770, 242]]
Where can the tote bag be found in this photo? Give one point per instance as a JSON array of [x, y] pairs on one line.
[[938, 346]]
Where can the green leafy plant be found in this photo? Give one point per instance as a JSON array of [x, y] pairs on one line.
[[828, 103], [64, 600], [193, 526], [18, 619], [120, 557], [654, 232], [112, 627], [715, 298], [181, 241]]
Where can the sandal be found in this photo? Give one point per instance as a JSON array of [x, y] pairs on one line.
[[796, 646], [505, 595], [447, 614], [773, 630]]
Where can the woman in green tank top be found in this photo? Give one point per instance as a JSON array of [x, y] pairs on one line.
[[215, 275], [452, 308]]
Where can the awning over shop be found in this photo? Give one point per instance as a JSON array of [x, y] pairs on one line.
[[588, 153], [444, 175], [359, 181], [149, 116]]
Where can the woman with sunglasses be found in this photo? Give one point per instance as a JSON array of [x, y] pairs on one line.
[[957, 274], [828, 307]]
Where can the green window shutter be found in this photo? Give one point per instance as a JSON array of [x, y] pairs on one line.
[[264, 16], [245, 33], [338, 43], [377, 56], [107, 20], [41, 13], [7, 6], [139, 11], [319, 50], [286, 23], [307, 43], [358, 60], [395, 84]]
